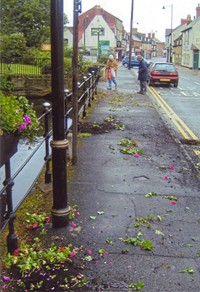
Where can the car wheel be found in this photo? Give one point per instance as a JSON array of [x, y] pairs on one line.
[[125, 65], [176, 84]]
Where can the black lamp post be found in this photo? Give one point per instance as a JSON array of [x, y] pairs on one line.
[[99, 31], [60, 210], [171, 29], [77, 10]]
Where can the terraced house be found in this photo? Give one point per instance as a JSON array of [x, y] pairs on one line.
[[186, 42]]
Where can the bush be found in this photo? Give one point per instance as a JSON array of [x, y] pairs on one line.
[[6, 84]]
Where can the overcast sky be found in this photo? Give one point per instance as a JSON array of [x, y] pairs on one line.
[[148, 15]]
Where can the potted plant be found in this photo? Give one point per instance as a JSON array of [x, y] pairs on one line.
[[17, 120]]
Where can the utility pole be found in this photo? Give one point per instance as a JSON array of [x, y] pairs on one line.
[[131, 34], [60, 210], [77, 10]]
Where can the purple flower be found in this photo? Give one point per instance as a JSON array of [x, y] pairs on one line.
[[27, 119], [22, 126], [5, 278]]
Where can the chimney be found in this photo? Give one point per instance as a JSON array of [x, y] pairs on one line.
[[149, 35], [183, 21], [198, 11], [189, 18], [153, 35]]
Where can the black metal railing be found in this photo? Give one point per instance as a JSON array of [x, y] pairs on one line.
[[87, 90], [24, 66]]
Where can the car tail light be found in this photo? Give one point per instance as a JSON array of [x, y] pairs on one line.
[[174, 74], [155, 73]]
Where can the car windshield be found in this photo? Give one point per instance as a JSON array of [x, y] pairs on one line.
[[165, 67]]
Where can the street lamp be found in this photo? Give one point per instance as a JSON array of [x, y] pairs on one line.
[[99, 31], [170, 46]]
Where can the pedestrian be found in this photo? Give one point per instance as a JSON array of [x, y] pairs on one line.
[[111, 68], [142, 74]]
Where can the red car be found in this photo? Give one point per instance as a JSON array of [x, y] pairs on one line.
[[163, 73]]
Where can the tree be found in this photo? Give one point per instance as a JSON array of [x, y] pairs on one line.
[[31, 18], [13, 45]]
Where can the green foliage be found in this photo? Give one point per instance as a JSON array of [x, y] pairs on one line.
[[150, 195], [138, 241], [188, 270], [36, 220], [18, 117], [131, 151], [68, 52], [68, 66], [136, 286], [29, 257], [13, 45], [6, 84], [31, 18], [103, 59]]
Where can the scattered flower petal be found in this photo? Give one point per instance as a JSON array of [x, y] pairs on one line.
[[173, 202], [5, 278], [89, 251], [172, 167], [72, 254], [78, 214], [73, 225], [166, 178], [136, 155], [129, 267]]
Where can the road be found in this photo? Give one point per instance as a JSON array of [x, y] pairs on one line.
[[184, 100]]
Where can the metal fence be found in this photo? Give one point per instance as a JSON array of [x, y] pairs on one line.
[[87, 90], [24, 66]]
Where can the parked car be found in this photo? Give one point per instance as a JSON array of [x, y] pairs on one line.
[[134, 62], [163, 73]]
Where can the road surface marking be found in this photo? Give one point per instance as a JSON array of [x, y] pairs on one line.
[[181, 126]]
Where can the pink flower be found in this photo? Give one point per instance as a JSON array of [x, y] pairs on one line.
[[73, 225], [166, 178], [89, 251], [136, 155], [72, 254], [27, 119], [35, 225], [48, 219], [172, 167], [78, 214], [22, 126], [16, 252], [173, 202]]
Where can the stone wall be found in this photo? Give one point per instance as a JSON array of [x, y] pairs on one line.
[[35, 86]]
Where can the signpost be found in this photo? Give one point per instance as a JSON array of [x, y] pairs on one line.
[[104, 47]]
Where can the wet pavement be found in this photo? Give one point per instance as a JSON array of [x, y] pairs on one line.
[[139, 214]]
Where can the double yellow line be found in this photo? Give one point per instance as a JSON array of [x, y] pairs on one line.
[[180, 125]]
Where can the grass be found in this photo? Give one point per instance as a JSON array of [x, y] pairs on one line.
[[19, 69]]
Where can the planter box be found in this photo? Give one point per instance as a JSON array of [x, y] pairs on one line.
[[8, 147]]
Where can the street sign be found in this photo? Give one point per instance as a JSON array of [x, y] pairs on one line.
[[97, 31], [104, 47]]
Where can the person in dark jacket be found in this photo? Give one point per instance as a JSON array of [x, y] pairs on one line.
[[142, 74]]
